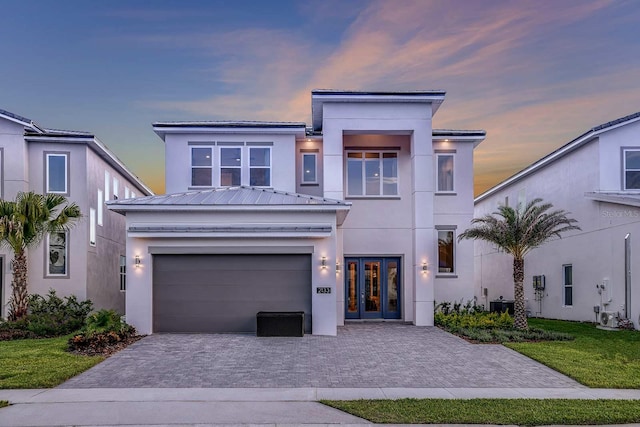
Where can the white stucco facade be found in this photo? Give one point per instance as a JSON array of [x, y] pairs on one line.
[[584, 177], [400, 226]]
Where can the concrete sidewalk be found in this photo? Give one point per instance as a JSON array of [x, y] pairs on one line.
[[253, 406]]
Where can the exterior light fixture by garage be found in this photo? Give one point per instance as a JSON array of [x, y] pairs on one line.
[[323, 263], [425, 267], [137, 261], [338, 267]]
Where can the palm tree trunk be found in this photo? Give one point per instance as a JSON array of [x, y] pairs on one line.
[[19, 301], [520, 316]]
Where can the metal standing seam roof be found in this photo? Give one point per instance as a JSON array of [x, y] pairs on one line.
[[229, 196]]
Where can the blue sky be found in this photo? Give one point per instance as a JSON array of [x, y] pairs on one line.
[[533, 74]]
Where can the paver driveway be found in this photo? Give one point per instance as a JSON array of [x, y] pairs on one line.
[[362, 355]]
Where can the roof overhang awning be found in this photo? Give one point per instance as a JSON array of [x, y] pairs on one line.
[[627, 199]]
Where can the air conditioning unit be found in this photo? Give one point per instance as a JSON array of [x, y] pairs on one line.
[[609, 319]]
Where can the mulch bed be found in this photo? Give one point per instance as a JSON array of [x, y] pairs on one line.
[[108, 350]]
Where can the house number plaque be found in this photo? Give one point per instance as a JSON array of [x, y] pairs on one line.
[[325, 290]]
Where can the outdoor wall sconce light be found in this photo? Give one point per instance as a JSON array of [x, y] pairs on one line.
[[425, 267], [137, 261], [338, 267], [323, 263]]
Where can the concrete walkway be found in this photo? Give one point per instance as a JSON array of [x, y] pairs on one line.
[[228, 406]]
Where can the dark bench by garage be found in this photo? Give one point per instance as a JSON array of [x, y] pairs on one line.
[[280, 324]]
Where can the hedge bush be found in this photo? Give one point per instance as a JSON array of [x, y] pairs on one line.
[[48, 316], [102, 329], [471, 322]]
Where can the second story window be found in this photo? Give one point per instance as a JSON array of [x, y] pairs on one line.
[[371, 173], [309, 168], [631, 170], [230, 166], [260, 166], [56, 173], [445, 173], [201, 166]]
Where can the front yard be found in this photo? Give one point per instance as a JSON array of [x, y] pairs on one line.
[[530, 412], [596, 358], [40, 363]]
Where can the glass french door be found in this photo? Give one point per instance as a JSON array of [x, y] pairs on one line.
[[372, 288]]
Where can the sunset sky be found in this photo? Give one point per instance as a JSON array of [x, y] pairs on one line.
[[533, 74]]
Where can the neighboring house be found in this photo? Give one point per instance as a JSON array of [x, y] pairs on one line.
[[597, 178], [355, 217], [88, 261]]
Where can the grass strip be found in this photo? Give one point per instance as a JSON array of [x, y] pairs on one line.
[[596, 358], [529, 412], [3, 403], [40, 363]]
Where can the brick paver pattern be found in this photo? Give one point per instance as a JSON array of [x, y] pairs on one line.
[[362, 355]]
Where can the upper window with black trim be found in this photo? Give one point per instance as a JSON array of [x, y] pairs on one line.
[[232, 167], [631, 175], [57, 179], [201, 166], [372, 173], [446, 251], [309, 168], [445, 173]]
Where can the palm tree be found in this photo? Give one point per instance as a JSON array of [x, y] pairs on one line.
[[517, 232], [23, 224]]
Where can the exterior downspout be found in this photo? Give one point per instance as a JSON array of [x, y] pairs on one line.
[[627, 276]]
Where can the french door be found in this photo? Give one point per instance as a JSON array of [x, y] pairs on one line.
[[372, 288]]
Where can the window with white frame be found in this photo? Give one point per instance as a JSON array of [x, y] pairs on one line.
[[107, 184], [133, 195], [100, 207], [115, 188], [92, 226], [260, 166], [57, 251], [201, 166], [126, 192], [309, 168], [123, 273], [230, 166], [56, 173], [631, 176], [446, 251], [567, 282], [445, 173], [372, 173], [522, 200]]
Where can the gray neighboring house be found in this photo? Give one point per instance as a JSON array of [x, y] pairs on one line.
[[89, 260], [590, 274]]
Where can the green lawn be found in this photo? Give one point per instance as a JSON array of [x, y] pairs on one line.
[[493, 411], [596, 358], [39, 363], [3, 403]]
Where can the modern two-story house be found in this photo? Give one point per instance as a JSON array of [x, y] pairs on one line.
[[89, 260], [353, 217], [588, 275]]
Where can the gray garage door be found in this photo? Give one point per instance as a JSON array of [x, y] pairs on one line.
[[223, 293]]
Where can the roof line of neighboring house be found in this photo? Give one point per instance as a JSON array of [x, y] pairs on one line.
[[35, 132], [560, 152], [54, 135]]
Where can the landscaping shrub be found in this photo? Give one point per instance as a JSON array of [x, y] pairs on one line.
[[471, 322], [102, 329], [48, 316]]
